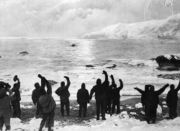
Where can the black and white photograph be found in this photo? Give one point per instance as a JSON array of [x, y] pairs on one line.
[[89, 65]]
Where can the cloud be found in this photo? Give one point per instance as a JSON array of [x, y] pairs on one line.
[[68, 18]]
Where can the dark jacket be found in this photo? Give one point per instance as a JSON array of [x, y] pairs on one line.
[[82, 96], [116, 92], [100, 92], [4, 101], [46, 101], [109, 93], [63, 92], [35, 96], [2, 92], [143, 96], [152, 97], [172, 97], [15, 89]]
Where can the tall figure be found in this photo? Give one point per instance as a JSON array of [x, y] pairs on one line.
[[151, 103], [116, 95], [16, 98], [109, 93], [100, 95], [47, 105], [143, 93], [172, 99], [35, 98], [5, 107], [143, 98], [83, 99], [63, 92]]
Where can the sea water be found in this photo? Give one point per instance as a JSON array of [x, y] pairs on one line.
[[83, 61]]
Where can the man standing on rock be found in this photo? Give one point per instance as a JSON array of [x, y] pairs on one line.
[[63, 92], [172, 99]]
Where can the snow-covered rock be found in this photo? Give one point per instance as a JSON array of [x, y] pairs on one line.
[[159, 110], [168, 62], [138, 105], [161, 29]]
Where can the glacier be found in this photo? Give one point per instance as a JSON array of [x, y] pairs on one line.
[[168, 28]]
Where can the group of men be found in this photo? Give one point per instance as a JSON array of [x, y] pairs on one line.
[[107, 99], [150, 101], [9, 97], [107, 96]]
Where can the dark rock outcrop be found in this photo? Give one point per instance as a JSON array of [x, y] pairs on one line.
[[175, 76], [112, 67], [168, 63], [23, 53], [73, 45], [89, 66]]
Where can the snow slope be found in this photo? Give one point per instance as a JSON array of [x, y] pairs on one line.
[[164, 29], [121, 122]]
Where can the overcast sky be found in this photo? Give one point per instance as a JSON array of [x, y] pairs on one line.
[[63, 18]]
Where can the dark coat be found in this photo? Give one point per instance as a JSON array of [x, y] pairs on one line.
[[15, 89], [2, 92], [82, 96], [172, 98], [116, 94], [100, 92], [64, 94], [109, 92], [35, 96], [152, 97], [47, 103], [4, 101]]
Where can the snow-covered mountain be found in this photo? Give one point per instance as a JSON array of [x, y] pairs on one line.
[[163, 29]]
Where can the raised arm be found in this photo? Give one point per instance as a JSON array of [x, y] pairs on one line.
[[112, 79], [49, 88], [160, 91], [139, 90], [106, 81], [113, 84], [178, 87], [43, 81], [121, 84], [68, 81]]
